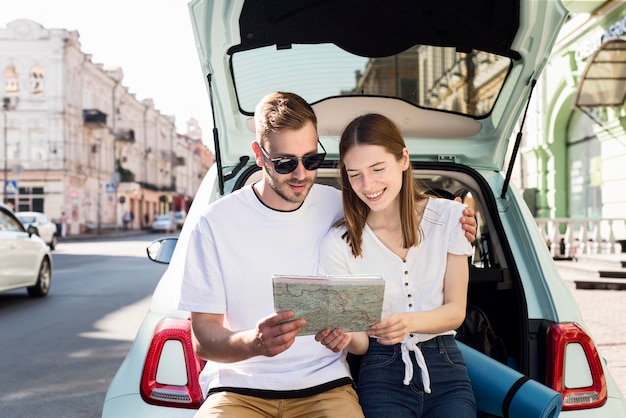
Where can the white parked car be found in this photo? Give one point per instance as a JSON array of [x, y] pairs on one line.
[[179, 217], [47, 229], [25, 259], [164, 223], [455, 76]]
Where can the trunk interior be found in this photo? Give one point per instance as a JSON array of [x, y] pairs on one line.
[[497, 321]]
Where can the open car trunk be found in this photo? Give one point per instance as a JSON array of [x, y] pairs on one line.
[[496, 322]]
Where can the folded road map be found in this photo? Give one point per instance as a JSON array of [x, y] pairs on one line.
[[351, 303]]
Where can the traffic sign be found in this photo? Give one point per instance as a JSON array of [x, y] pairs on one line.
[[10, 187], [110, 188]]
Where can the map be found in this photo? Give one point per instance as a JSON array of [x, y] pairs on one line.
[[351, 303]]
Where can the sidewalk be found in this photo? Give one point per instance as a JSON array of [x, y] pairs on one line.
[[107, 234], [602, 302], [595, 271]]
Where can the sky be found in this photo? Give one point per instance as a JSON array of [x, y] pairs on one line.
[[150, 40]]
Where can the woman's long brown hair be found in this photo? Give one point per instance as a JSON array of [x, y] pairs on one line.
[[376, 129]]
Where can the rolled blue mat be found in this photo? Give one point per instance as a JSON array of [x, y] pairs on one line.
[[502, 391]]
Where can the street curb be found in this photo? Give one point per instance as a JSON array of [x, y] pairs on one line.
[[104, 235]]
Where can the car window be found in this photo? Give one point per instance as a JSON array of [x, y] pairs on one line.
[[426, 76], [7, 223], [27, 219]]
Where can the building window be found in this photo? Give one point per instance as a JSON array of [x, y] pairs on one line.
[[409, 90], [584, 164], [37, 81], [11, 79], [30, 199]]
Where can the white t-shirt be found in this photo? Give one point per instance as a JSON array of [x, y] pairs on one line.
[[413, 284], [234, 249]]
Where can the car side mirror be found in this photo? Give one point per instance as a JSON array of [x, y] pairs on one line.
[[32, 230], [161, 250]]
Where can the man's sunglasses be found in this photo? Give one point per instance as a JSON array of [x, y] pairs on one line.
[[286, 165]]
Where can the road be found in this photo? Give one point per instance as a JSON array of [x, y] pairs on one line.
[[60, 353]]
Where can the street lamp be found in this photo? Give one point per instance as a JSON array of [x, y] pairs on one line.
[[5, 107], [96, 148], [115, 178]]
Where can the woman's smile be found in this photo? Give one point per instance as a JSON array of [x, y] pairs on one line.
[[375, 195]]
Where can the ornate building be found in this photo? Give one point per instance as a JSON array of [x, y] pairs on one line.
[[75, 140]]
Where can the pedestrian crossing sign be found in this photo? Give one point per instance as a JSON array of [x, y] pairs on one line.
[[10, 187]]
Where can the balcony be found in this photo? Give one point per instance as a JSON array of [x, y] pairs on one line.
[[125, 135], [94, 117], [178, 161], [125, 174], [572, 237]]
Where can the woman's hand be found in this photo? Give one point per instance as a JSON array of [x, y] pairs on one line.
[[392, 329], [335, 340], [338, 340]]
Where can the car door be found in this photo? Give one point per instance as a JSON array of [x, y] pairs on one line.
[[18, 253], [46, 228]]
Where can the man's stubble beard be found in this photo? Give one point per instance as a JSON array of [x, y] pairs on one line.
[[282, 189]]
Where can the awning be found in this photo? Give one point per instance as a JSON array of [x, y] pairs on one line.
[[603, 82]]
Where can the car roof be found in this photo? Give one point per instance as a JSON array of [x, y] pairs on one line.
[[520, 32]]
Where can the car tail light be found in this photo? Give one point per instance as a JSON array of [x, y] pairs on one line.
[[569, 350], [170, 374]]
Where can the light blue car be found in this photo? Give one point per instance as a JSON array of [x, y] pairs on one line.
[[456, 77]]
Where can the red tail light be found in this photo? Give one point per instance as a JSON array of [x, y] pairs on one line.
[[163, 381], [569, 340]]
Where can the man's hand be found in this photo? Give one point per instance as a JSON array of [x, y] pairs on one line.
[[468, 222], [273, 335], [270, 336]]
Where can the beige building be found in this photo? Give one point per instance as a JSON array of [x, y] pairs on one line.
[[76, 140]]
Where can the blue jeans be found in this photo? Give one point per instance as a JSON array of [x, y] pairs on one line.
[[382, 393]]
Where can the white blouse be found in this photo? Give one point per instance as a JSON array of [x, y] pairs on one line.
[[412, 284]]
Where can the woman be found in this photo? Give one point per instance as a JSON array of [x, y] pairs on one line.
[[419, 246]]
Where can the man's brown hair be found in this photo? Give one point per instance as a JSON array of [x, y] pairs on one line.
[[280, 110]]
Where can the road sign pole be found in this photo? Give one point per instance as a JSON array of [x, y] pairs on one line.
[[5, 107]]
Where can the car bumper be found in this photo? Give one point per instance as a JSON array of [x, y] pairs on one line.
[[134, 406]]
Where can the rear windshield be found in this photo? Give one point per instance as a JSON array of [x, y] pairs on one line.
[[431, 77]]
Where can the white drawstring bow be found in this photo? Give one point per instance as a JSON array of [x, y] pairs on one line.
[[410, 344]]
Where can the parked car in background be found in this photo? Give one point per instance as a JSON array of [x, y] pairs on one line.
[[25, 259], [47, 229], [164, 223], [179, 217], [455, 76]]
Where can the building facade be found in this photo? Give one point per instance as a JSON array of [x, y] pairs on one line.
[[573, 156], [77, 141], [570, 166]]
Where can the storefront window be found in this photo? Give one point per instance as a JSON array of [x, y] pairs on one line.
[[584, 168]]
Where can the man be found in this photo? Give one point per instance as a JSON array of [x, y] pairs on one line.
[[257, 366]]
